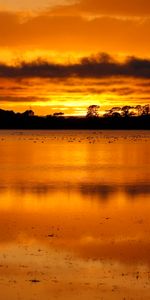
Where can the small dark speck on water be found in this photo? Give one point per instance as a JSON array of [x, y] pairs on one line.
[[34, 280]]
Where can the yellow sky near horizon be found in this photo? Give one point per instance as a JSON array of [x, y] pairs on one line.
[[63, 32]]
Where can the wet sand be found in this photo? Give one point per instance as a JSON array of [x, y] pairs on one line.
[[74, 215]]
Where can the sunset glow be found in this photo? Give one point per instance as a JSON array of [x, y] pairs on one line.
[[74, 150], [70, 33]]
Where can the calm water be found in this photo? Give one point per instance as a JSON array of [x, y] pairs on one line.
[[74, 215]]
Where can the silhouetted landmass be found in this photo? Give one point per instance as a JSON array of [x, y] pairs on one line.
[[27, 120]]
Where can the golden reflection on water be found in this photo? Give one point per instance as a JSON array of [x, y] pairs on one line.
[[74, 215]]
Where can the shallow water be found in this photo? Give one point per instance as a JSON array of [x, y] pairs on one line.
[[74, 215]]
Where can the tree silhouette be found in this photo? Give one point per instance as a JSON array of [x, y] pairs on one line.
[[146, 110], [58, 114], [139, 109], [28, 113], [113, 112], [93, 111], [126, 110]]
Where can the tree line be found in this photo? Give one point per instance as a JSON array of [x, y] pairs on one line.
[[117, 111], [126, 117]]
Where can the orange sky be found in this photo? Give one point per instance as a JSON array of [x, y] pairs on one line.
[[63, 32]]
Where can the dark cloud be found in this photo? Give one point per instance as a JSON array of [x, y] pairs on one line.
[[19, 99], [12, 88], [123, 91], [100, 66], [143, 84]]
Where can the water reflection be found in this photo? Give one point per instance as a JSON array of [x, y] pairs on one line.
[[98, 190], [82, 222], [74, 217]]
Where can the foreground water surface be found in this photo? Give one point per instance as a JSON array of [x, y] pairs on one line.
[[74, 215]]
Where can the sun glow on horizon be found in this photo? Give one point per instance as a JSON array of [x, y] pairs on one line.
[[64, 39]]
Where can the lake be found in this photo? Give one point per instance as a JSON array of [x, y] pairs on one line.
[[74, 215]]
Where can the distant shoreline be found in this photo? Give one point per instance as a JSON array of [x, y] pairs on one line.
[[75, 129], [27, 120]]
